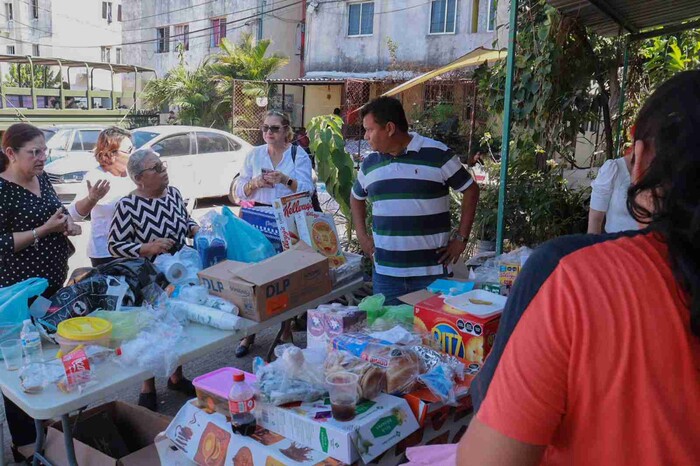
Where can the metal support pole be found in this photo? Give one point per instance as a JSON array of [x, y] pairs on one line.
[[621, 109], [507, 109]]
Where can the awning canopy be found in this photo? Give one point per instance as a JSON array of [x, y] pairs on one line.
[[47, 61], [476, 57], [612, 17]]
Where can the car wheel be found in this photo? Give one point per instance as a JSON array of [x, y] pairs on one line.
[[232, 192]]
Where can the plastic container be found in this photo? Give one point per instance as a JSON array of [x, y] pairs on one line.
[[213, 389], [479, 303], [83, 331]]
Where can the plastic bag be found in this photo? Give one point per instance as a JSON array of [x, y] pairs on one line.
[[442, 373], [296, 375], [139, 275], [402, 365], [127, 323], [14, 305], [180, 268], [246, 243], [347, 272], [210, 240], [398, 335], [95, 292], [155, 348], [380, 317]]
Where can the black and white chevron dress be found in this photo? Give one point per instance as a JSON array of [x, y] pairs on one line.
[[139, 220]]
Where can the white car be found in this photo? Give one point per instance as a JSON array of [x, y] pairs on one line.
[[202, 162]]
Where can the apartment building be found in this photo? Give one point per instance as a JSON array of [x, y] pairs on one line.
[[87, 30], [163, 32]]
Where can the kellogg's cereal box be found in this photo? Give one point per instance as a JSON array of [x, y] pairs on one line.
[[456, 332], [285, 209]]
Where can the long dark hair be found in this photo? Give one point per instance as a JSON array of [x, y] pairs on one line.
[[669, 124], [16, 136]]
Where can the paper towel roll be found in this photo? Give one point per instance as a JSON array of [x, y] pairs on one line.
[[175, 272]]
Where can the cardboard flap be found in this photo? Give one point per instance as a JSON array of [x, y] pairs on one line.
[[281, 265]]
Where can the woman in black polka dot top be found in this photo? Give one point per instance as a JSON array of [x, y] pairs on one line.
[[33, 234], [33, 224]]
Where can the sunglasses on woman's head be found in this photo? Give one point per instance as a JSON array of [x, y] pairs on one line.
[[160, 167], [272, 128]]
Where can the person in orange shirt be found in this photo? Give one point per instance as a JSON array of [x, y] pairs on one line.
[[597, 360]]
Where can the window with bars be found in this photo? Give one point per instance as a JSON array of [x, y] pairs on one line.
[[118, 55], [361, 19], [10, 49], [443, 16], [119, 13], [182, 35], [163, 42], [35, 9], [8, 12], [218, 31], [35, 50], [438, 93]]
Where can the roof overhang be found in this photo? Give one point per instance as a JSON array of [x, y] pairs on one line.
[[640, 18], [48, 61]]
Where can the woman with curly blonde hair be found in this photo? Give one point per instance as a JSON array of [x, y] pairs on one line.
[[105, 185]]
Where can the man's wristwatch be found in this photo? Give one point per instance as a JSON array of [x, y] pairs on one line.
[[457, 236]]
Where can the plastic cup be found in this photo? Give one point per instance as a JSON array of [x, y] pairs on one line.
[[342, 388], [12, 353]]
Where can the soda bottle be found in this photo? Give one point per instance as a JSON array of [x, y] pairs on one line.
[[241, 402], [31, 343]]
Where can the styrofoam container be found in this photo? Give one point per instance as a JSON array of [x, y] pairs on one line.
[[462, 303], [212, 388]]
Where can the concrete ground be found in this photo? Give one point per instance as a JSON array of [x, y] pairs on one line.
[[169, 402]]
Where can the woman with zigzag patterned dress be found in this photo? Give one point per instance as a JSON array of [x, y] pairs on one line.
[[152, 220]]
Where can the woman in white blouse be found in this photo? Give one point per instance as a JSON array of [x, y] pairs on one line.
[[609, 198], [105, 185], [271, 171]]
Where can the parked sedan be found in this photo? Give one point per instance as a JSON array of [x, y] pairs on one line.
[[202, 162]]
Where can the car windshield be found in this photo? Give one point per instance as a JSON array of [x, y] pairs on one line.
[[142, 137]]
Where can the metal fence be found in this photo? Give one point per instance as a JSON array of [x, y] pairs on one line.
[[249, 103]]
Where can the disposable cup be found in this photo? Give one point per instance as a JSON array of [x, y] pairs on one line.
[[343, 391], [12, 353]]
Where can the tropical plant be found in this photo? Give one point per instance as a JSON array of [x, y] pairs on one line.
[[21, 76], [193, 92], [334, 165]]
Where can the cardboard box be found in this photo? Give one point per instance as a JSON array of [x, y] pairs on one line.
[[124, 434], [286, 208], [272, 286], [324, 324], [318, 230], [265, 221], [378, 425], [423, 403], [207, 439], [462, 335]]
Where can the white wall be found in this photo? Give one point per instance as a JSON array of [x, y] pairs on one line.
[[405, 22]]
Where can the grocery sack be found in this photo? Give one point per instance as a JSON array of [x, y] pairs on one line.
[[14, 305], [246, 244]]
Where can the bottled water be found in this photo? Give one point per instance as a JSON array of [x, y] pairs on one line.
[[31, 343]]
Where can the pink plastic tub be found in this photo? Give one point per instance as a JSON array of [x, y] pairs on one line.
[[212, 389]]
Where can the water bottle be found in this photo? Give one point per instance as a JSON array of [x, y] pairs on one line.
[[31, 343]]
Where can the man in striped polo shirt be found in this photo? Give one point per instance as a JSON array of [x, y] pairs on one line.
[[407, 181]]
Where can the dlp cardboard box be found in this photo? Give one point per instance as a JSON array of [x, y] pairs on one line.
[[113, 434], [458, 333], [272, 286], [378, 425]]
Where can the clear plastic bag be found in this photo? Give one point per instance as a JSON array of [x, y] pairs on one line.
[[296, 375], [210, 240], [402, 365], [347, 272], [127, 323], [381, 317], [180, 268], [371, 378]]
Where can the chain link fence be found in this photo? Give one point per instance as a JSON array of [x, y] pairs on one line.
[[249, 102]]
